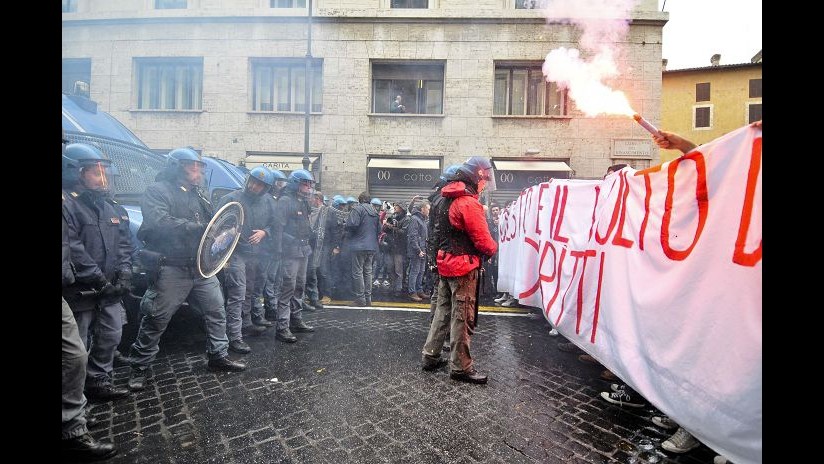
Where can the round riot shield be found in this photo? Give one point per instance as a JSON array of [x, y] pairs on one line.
[[219, 239]]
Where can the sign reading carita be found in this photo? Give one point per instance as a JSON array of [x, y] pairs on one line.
[[657, 274]]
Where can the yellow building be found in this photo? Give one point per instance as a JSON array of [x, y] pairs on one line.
[[702, 104]]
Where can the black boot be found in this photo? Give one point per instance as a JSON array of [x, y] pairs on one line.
[[300, 326], [106, 392], [137, 379], [263, 322], [226, 364], [285, 335], [239, 346], [86, 448]]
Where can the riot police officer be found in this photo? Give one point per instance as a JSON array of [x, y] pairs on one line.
[[175, 215], [101, 255]]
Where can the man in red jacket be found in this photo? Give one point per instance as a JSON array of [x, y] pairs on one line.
[[463, 242]]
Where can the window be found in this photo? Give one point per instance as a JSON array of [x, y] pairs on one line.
[[753, 112], [287, 3], [702, 92], [278, 85], [409, 4], [75, 70], [169, 4], [755, 88], [529, 4], [702, 117], [522, 90], [69, 6], [169, 83], [419, 86]]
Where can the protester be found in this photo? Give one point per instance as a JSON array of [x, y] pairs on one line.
[[362, 229], [463, 242], [416, 249]]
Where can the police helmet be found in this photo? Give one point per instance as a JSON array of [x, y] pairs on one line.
[[449, 172], [80, 156], [475, 169], [263, 175], [376, 202]]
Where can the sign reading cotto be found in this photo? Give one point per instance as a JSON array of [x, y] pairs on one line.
[[403, 177]]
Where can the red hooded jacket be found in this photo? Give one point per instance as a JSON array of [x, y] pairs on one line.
[[465, 214]]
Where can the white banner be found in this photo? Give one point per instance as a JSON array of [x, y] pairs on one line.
[[657, 274]]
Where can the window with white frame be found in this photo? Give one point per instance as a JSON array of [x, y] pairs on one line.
[[287, 3], [278, 85], [169, 4], [69, 6], [753, 112], [418, 84], [409, 4], [169, 83], [702, 117], [520, 89], [76, 70]]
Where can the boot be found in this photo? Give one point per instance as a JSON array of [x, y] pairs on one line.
[[86, 448], [239, 346], [226, 364], [285, 335], [106, 392], [262, 322], [300, 326]]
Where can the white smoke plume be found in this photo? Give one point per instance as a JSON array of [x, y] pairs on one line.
[[604, 25]]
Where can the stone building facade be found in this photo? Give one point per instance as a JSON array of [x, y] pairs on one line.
[[226, 77]]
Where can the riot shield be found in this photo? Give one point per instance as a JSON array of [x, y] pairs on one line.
[[219, 239]]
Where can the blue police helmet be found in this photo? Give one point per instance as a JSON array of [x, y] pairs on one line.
[[78, 156], [279, 175], [376, 202], [351, 200], [338, 200], [475, 169], [263, 175], [449, 172], [180, 156], [300, 175]]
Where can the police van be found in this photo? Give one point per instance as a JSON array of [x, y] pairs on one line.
[[135, 164]]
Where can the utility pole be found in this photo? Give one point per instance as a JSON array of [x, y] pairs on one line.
[[307, 86]]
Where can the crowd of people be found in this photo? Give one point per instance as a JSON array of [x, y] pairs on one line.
[[297, 251]]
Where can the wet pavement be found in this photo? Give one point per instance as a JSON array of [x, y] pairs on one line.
[[353, 391]]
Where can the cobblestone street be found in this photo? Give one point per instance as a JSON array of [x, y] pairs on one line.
[[353, 391]]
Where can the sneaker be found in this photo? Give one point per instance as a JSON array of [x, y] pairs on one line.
[[616, 387], [553, 332], [415, 297], [510, 302], [376, 283], [720, 460], [664, 422], [386, 283], [622, 398], [680, 442], [326, 300], [502, 298]]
